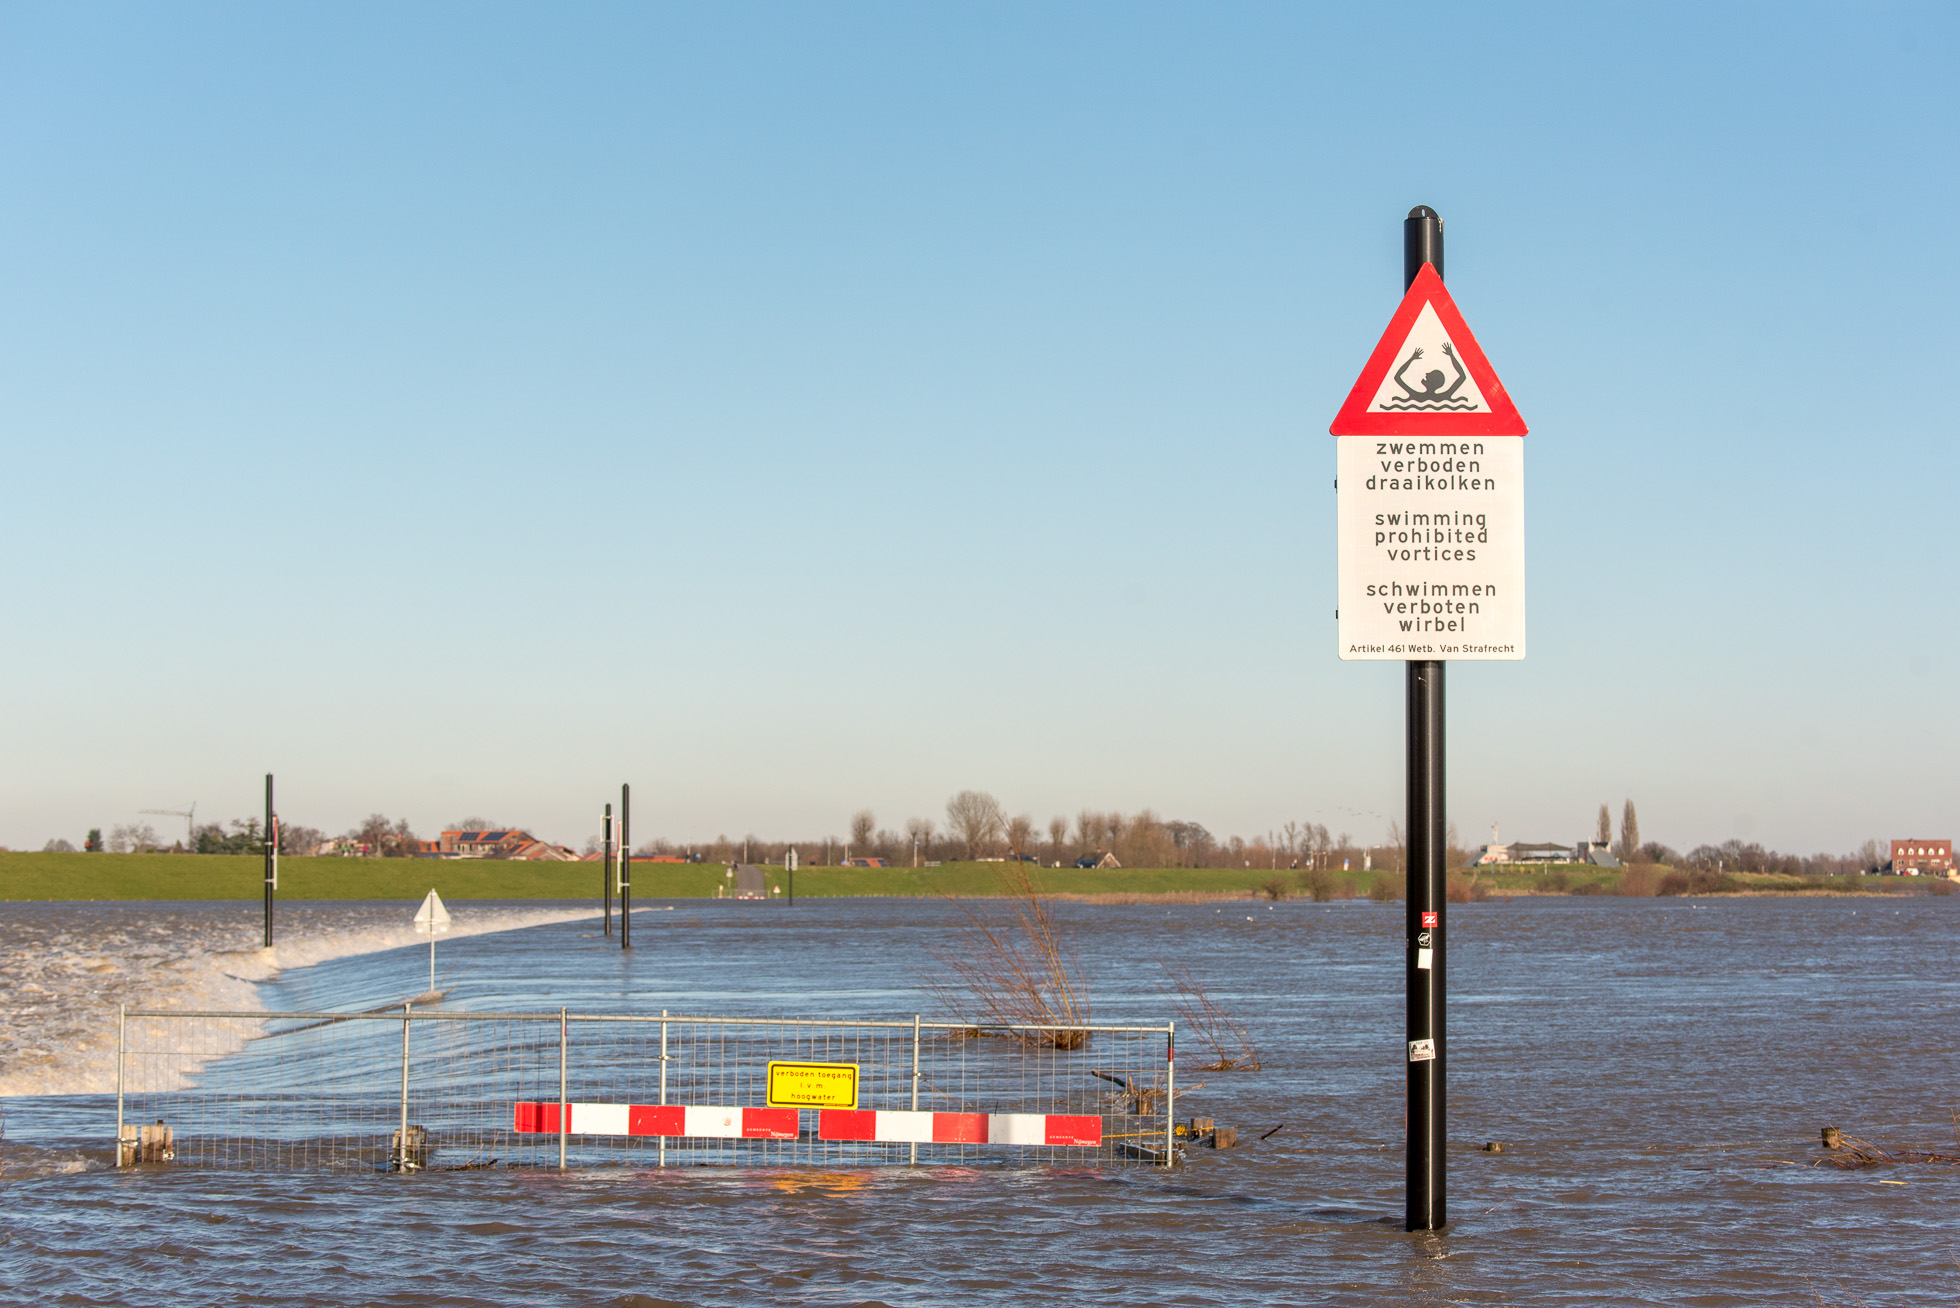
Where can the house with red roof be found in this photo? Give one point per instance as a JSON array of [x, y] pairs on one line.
[[511, 843]]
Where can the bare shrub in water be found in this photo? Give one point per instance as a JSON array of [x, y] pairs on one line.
[[1324, 884], [1842, 1150], [1639, 881], [1466, 890], [1211, 1025], [1275, 889], [1386, 888], [1016, 969]]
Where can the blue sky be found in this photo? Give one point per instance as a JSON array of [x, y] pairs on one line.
[[791, 409]]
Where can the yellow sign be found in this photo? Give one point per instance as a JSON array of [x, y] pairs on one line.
[[813, 1085]]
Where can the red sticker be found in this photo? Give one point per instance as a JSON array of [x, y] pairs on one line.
[[1429, 919]]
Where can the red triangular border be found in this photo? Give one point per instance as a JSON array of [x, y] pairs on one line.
[[1354, 418]]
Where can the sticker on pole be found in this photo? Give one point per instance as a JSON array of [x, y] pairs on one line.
[[1422, 1051], [1430, 502], [813, 1085], [1429, 920]]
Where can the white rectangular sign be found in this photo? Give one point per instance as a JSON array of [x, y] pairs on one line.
[[1431, 545]]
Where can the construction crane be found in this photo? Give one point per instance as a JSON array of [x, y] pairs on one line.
[[190, 823]]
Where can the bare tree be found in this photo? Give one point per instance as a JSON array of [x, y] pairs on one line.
[[297, 839], [1454, 854], [1193, 843], [1143, 841], [132, 838], [863, 827], [1629, 835], [1091, 830], [1020, 834], [920, 832], [975, 820], [1057, 837], [374, 833], [1605, 831]]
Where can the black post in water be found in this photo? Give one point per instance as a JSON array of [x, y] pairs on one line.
[[271, 858], [626, 867], [1422, 242], [606, 866], [792, 888]]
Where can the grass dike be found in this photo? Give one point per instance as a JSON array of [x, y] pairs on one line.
[[174, 877], [28, 876]]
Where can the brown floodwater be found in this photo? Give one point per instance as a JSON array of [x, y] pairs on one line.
[[1657, 1071]]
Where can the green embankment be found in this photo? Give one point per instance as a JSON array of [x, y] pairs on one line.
[[1651, 879], [27, 876], [229, 876]]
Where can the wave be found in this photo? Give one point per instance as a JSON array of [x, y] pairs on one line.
[[64, 969]]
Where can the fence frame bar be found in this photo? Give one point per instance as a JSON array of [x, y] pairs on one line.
[[401, 1145], [564, 1111], [1170, 1095], [122, 1021], [915, 1080], [432, 1015]]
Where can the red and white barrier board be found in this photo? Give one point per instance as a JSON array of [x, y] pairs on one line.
[[959, 1128], [661, 1119], [1053, 1129]]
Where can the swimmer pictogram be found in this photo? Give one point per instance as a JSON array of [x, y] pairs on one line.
[[1433, 397]]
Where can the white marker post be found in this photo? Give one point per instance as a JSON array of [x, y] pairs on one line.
[[429, 919]]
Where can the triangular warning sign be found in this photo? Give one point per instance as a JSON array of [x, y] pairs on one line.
[[1428, 376], [432, 916]]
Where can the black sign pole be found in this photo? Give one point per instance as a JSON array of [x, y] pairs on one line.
[[271, 858], [1422, 242], [626, 867], [606, 868]]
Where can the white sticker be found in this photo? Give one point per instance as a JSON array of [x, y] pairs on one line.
[[1422, 1051], [1423, 957]]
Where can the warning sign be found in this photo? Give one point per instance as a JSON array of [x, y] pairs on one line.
[[813, 1085], [1430, 494], [1422, 1051], [1428, 376]]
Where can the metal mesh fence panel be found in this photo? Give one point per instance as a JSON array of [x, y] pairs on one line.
[[409, 1090]]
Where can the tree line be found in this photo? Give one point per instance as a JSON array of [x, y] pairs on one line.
[[975, 825]]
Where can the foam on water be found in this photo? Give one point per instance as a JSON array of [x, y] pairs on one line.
[[64, 969]]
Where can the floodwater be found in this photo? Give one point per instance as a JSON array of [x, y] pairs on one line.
[[1657, 1071]]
